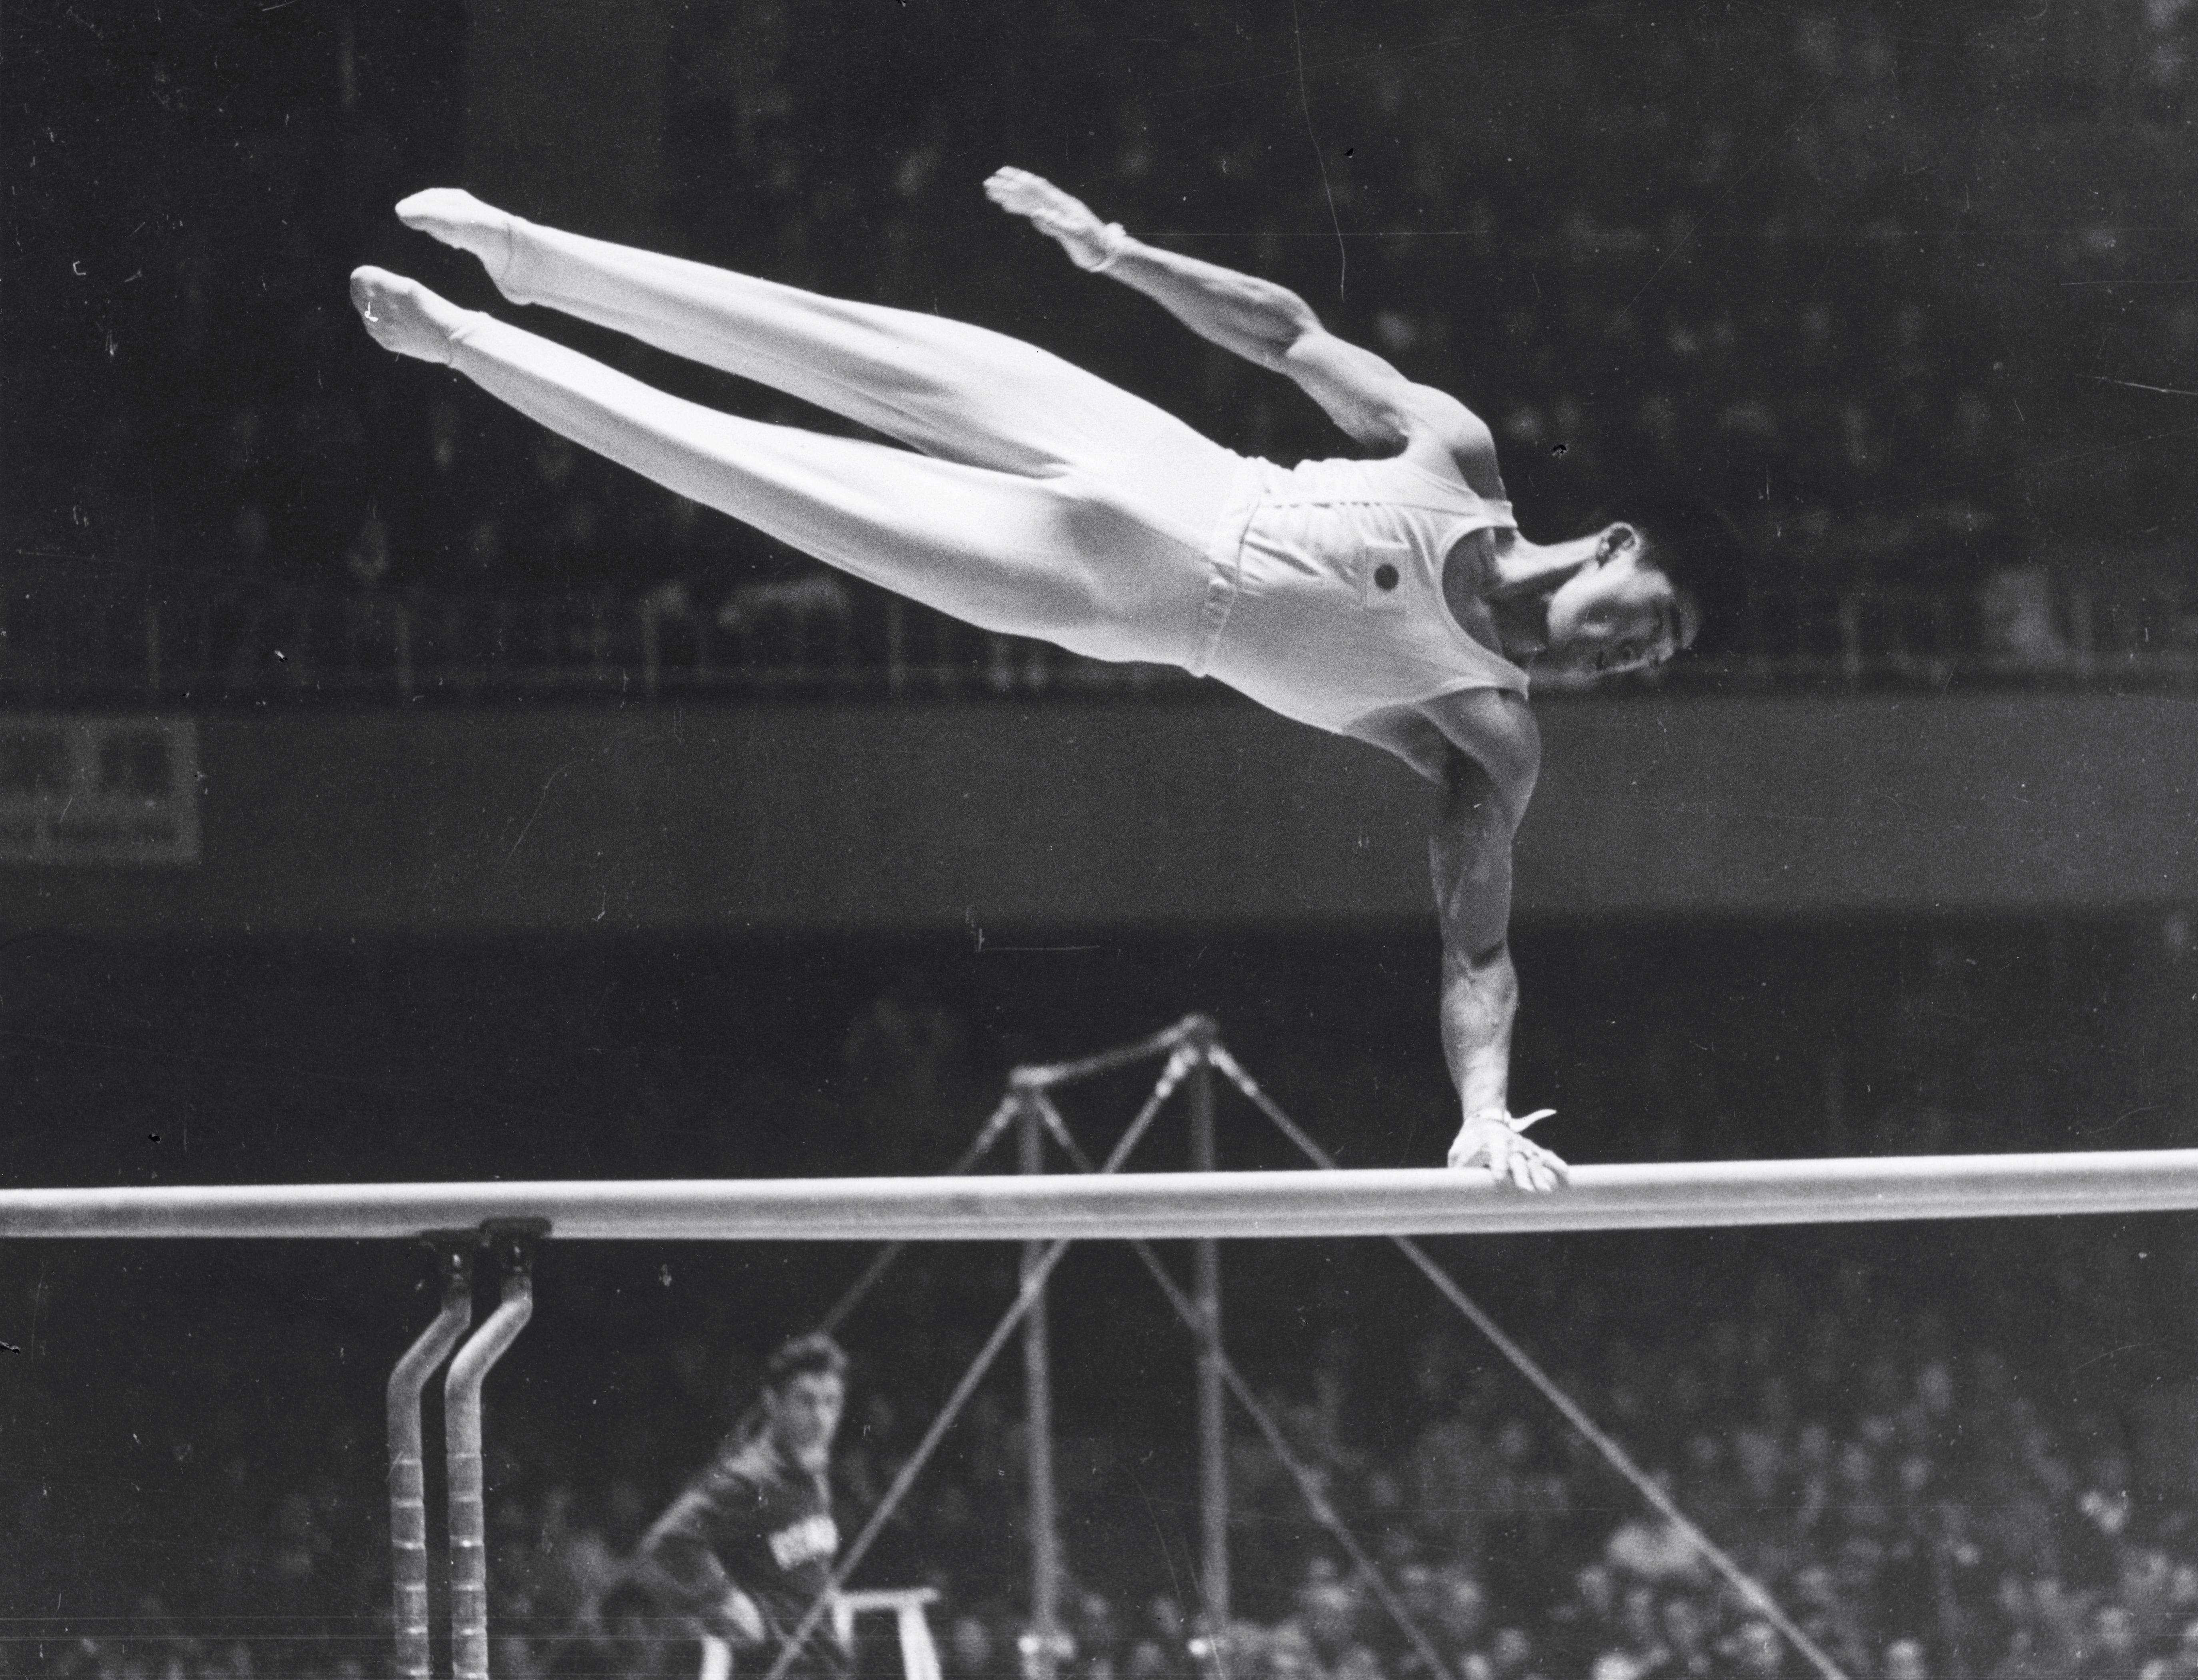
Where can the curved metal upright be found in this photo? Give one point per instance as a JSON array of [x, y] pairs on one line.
[[1213, 1360], [462, 1435], [408, 1470], [1042, 1650]]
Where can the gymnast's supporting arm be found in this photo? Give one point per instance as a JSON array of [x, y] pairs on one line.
[[1470, 852], [1369, 399]]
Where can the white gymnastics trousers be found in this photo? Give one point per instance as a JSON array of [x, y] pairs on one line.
[[1033, 498]]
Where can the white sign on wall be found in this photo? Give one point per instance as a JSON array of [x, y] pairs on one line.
[[98, 790]]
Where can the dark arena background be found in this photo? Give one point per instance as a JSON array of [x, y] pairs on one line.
[[390, 793]]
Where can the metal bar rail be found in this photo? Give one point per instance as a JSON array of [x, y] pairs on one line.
[[1377, 1202]]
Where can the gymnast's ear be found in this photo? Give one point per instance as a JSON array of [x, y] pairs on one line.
[[1614, 539], [1696, 544]]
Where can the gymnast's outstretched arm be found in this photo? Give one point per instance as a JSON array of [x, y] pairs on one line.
[[1470, 852], [1369, 399]]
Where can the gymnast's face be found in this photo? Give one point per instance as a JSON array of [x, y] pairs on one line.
[[804, 1412], [1619, 612]]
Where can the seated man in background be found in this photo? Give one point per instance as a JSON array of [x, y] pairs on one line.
[[746, 1549]]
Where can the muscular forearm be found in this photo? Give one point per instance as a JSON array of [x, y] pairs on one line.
[[687, 1577], [1480, 999], [1255, 318]]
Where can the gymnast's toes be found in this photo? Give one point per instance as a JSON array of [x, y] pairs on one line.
[[447, 212], [404, 315], [457, 217]]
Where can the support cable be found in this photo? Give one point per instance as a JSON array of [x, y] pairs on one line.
[[994, 1129], [1748, 1587], [1308, 1485], [1033, 1286], [881, 1262]]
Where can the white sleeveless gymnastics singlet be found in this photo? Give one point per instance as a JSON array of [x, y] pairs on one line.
[[1331, 608]]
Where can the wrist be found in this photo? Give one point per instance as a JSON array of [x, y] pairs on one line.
[[1106, 249], [1500, 1114], [738, 1620]]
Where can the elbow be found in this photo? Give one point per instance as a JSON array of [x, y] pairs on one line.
[[1291, 317], [1291, 321], [1281, 349], [1294, 333], [1476, 954]]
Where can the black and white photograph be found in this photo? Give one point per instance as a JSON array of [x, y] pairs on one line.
[[1099, 839]]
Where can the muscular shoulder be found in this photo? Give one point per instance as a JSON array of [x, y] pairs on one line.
[[1447, 436], [734, 1485], [1493, 732]]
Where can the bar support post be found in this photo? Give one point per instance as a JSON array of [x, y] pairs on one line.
[[1213, 1416], [408, 1470], [1041, 1644], [462, 1434]]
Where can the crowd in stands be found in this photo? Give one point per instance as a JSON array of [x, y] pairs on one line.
[[1921, 1503], [1959, 1453], [1884, 297]]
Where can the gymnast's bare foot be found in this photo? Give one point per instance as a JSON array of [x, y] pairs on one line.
[[404, 315], [457, 217]]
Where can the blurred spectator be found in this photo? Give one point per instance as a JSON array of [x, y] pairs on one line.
[[366, 557], [1755, 1652], [2112, 1652], [2016, 607], [1652, 1548], [1904, 1660], [2181, 1662]]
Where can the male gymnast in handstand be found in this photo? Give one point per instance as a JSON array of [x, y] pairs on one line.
[[1392, 599]]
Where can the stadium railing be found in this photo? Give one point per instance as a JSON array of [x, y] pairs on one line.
[[68, 644]]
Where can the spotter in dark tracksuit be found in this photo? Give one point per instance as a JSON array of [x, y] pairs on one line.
[[746, 1549]]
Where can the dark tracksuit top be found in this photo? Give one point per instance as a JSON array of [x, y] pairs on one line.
[[756, 1521]]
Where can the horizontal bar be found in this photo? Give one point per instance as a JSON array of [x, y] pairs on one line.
[[1379, 1202]]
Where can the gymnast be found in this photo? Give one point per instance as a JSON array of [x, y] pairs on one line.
[[1392, 599]]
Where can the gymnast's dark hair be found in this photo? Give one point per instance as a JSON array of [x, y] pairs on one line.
[[804, 1356], [1695, 543]]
